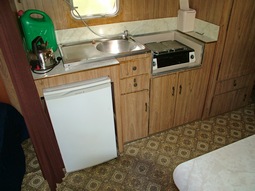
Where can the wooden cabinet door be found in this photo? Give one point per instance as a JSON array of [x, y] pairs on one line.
[[162, 102], [238, 55], [191, 92], [135, 115]]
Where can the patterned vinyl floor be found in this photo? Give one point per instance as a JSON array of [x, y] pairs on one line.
[[148, 164]]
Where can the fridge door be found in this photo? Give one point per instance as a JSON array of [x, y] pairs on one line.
[[83, 121]]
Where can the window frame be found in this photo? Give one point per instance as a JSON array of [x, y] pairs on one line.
[[91, 16]]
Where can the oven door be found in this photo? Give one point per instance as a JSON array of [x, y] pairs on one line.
[[172, 61]]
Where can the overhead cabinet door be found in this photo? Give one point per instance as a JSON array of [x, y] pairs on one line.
[[238, 56]]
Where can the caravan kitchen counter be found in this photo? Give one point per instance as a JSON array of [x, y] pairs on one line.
[[132, 80]]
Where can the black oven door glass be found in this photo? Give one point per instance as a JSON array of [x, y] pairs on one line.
[[170, 59]]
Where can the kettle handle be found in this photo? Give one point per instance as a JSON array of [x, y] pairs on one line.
[[35, 42]]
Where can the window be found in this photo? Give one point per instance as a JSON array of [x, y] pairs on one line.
[[94, 8]]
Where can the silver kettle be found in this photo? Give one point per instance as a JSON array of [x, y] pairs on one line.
[[44, 55]]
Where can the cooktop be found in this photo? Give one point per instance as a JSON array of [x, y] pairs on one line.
[[166, 46]]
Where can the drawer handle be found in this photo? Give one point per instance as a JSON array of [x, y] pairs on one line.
[[134, 68], [135, 84], [173, 91], [234, 83]]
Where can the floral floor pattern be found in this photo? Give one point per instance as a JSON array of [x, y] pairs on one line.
[[148, 164]]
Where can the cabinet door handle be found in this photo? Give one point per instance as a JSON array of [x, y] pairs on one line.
[[134, 68], [146, 107], [135, 82], [180, 89], [173, 91], [234, 84]]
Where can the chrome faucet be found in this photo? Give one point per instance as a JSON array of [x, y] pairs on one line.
[[125, 34]]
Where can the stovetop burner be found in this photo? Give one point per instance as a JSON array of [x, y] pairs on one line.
[[166, 46]]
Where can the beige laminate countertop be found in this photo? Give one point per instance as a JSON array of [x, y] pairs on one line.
[[60, 69]]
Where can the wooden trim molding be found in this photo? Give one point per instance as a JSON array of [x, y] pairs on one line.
[[16, 66], [4, 98]]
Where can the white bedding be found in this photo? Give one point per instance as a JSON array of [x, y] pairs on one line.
[[226, 169]]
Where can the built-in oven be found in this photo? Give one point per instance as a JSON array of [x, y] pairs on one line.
[[173, 51], [168, 55]]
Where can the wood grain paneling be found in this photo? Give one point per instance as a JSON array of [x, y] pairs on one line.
[[227, 7], [233, 84], [135, 115], [234, 57], [238, 56], [210, 11], [229, 101], [130, 10], [134, 84], [162, 102], [140, 65], [191, 90]]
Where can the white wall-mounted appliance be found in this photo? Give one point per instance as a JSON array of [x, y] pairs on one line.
[[186, 17]]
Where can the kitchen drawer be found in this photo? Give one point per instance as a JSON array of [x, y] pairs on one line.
[[135, 67], [229, 101], [133, 84], [232, 84]]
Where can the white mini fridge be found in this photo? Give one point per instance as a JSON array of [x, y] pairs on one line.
[[83, 121]]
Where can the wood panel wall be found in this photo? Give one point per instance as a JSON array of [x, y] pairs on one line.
[[208, 10], [130, 10]]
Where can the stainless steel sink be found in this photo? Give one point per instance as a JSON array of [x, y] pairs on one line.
[[118, 46], [101, 49]]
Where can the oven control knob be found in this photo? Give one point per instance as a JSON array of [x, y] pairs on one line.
[[154, 64], [192, 57]]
